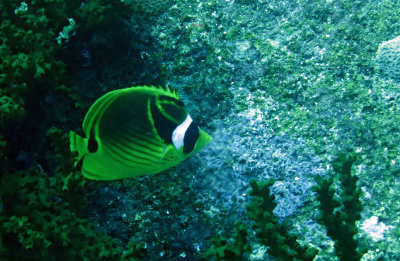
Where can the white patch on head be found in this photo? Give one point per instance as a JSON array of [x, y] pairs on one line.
[[179, 133]]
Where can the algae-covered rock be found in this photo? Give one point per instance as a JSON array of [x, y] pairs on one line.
[[388, 60]]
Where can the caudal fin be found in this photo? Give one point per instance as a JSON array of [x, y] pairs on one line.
[[79, 144]]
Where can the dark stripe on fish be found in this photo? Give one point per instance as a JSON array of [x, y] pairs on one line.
[[164, 126], [115, 155], [125, 152], [162, 98], [136, 148], [190, 138], [140, 148], [99, 111], [93, 146], [91, 174], [152, 141]]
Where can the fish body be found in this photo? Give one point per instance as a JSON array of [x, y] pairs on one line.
[[136, 131]]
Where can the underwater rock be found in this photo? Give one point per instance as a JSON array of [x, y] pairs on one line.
[[388, 60]]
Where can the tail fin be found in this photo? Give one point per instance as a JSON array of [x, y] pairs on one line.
[[79, 144]]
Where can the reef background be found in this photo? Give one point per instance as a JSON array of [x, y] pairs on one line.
[[282, 86]]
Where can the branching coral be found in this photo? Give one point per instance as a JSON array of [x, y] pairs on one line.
[[269, 230], [42, 210], [339, 215]]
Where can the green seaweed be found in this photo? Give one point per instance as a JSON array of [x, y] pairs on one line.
[[43, 207], [40, 216], [43, 218], [339, 215], [281, 244], [235, 249]]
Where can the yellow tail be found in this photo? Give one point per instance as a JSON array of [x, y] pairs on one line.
[[79, 144]]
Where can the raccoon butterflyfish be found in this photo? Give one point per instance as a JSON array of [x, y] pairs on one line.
[[136, 131]]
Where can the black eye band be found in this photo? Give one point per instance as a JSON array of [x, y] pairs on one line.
[[164, 126], [191, 137]]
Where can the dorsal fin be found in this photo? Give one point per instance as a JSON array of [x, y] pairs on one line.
[[169, 90]]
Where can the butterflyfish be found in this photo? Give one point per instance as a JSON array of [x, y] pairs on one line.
[[136, 131]]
